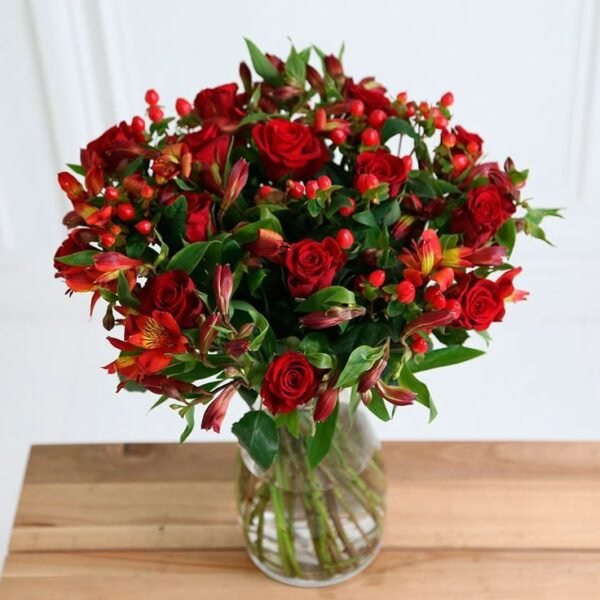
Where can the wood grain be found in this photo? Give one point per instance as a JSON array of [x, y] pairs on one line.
[[468, 520]]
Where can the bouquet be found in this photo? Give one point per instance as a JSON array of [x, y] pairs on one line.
[[284, 240]]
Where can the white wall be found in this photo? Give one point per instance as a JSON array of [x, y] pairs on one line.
[[525, 74]]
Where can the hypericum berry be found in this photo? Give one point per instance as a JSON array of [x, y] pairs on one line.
[[126, 211], [144, 227], [460, 162], [419, 345], [433, 295], [366, 182], [402, 97], [447, 99], [295, 189], [377, 118], [406, 292], [434, 112], [356, 108], [115, 229], [348, 211], [324, 182], [377, 278], [473, 148], [107, 240], [448, 139], [138, 124], [183, 107], [152, 97], [155, 114], [265, 191], [424, 108], [440, 122], [111, 193], [345, 239], [454, 306], [320, 122], [338, 136], [146, 191], [312, 187], [411, 109], [370, 137]]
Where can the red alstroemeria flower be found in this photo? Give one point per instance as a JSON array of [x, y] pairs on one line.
[[110, 264], [173, 161]]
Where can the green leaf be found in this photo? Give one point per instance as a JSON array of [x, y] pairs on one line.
[[259, 320], [262, 65], [248, 233], [258, 435], [318, 445], [295, 68], [507, 235], [315, 342], [135, 245], [365, 217], [173, 222], [132, 167], [188, 257], [85, 258], [327, 297], [394, 126], [76, 168], [126, 298], [183, 185], [442, 357], [189, 417], [291, 421], [360, 360], [253, 118], [536, 215], [320, 360], [160, 401], [408, 380], [451, 336], [378, 407]]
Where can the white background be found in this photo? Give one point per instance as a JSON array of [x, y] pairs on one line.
[[526, 75]]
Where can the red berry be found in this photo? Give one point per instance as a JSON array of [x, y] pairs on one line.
[[455, 307], [377, 118], [324, 182], [447, 99], [115, 229], [366, 182], [419, 345], [424, 108], [320, 123], [460, 162], [406, 292], [295, 189], [407, 160], [473, 148], [402, 97], [126, 211], [448, 139], [377, 278], [440, 122], [338, 136], [370, 137], [345, 238], [155, 114], [356, 108], [138, 124], [152, 97], [107, 240], [265, 191], [111, 193], [434, 112], [433, 295], [348, 211], [144, 227], [146, 191], [183, 107], [411, 109], [311, 189]]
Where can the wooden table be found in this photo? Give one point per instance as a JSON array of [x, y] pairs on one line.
[[465, 521]]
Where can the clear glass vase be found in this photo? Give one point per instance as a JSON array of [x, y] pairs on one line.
[[313, 527]]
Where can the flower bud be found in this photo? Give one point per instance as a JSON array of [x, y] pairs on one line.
[[268, 244], [429, 320], [215, 413], [246, 77], [246, 330], [315, 80], [371, 377], [236, 348], [208, 333], [331, 317], [238, 176], [326, 402], [108, 321], [334, 67], [223, 287], [396, 395]]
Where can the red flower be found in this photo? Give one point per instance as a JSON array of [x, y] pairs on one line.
[[385, 166], [289, 149], [173, 292], [77, 278], [173, 161], [269, 244], [217, 409], [290, 381], [469, 142], [486, 210], [212, 156], [220, 106], [313, 265], [199, 224], [370, 93]]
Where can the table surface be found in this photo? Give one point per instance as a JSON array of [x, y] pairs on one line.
[[500, 521]]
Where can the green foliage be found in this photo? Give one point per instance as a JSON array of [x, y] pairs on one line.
[[262, 65], [84, 258], [361, 359], [443, 357], [188, 257], [257, 433], [326, 298], [318, 445], [409, 381]]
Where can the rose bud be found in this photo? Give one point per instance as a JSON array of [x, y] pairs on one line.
[[223, 287], [208, 332], [236, 348], [215, 413], [326, 402], [268, 244], [396, 395], [238, 176], [332, 317], [371, 377], [334, 67]]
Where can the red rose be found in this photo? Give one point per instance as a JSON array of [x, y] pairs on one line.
[[108, 150], [289, 149], [173, 292], [486, 210], [467, 141], [290, 381], [220, 106], [370, 93], [313, 265], [385, 166], [210, 150], [481, 300], [200, 224]]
